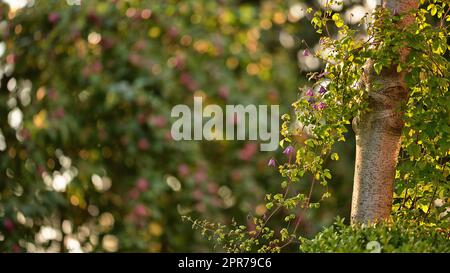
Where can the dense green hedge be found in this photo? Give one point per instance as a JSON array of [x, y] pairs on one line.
[[397, 236]]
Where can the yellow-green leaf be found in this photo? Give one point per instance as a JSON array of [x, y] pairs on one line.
[[337, 20], [335, 156]]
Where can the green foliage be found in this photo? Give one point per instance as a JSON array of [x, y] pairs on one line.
[[396, 237], [91, 158]]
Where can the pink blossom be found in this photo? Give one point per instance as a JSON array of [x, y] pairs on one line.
[[320, 106], [52, 94], [140, 210], [200, 176], [197, 194], [16, 248], [179, 62], [248, 151], [96, 67], [11, 59], [173, 32], [168, 136], [141, 118], [59, 113], [158, 121], [212, 187], [224, 92], [200, 207], [135, 59], [289, 150], [93, 18], [141, 44], [183, 170], [142, 184], [143, 144], [215, 202], [40, 169], [9, 225], [236, 175], [272, 162], [185, 78], [53, 17], [134, 194]]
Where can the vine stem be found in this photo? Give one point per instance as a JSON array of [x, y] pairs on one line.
[[273, 213], [299, 218], [431, 202]]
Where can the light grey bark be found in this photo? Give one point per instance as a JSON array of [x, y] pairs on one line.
[[378, 134]]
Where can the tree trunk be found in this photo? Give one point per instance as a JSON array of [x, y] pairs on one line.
[[378, 134]]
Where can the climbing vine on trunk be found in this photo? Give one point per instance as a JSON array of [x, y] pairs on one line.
[[393, 80], [378, 131]]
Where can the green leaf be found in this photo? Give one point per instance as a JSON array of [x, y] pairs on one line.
[[337, 20], [378, 67], [433, 11], [335, 156], [284, 234], [310, 142], [327, 174]]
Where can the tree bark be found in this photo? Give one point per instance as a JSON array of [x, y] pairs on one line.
[[378, 134]]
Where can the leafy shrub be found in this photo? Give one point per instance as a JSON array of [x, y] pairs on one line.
[[397, 236]]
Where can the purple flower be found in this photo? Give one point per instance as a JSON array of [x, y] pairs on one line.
[[311, 100], [54, 17], [322, 90], [289, 150], [305, 53], [310, 93], [320, 106], [272, 162]]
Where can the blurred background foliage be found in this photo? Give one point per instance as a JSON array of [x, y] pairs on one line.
[[86, 158]]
